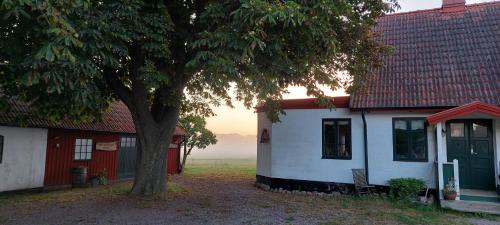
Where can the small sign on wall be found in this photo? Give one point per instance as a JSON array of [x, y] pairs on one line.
[[264, 137], [106, 146]]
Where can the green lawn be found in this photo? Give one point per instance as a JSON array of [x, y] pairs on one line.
[[233, 167]]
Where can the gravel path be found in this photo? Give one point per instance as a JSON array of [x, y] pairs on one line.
[[217, 200], [207, 200], [475, 221]]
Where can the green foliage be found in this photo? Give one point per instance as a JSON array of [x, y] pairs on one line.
[[102, 177], [450, 186], [70, 58], [76, 53], [198, 135], [405, 188]]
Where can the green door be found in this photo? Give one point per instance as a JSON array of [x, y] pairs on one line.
[[127, 155], [470, 142]]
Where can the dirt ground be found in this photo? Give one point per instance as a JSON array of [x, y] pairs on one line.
[[214, 196]]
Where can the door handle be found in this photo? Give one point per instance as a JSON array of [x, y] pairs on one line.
[[472, 150]]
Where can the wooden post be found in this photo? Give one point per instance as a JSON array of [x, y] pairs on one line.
[[456, 177]]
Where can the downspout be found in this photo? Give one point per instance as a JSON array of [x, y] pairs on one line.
[[436, 163], [365, 138]]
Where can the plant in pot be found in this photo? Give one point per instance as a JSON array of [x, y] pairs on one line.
[[99, 179], [102, 177], [450, 192]]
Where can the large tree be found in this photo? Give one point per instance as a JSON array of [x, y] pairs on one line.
[[70, 58]]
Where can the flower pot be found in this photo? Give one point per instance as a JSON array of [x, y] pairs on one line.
[[94, 181], [450, 195]]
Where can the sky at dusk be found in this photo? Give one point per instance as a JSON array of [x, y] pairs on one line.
[[243, 121]]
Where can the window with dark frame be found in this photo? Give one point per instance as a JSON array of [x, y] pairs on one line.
[[1, 148], [128, 142], [83, 149], [409, 139], [337, 139]]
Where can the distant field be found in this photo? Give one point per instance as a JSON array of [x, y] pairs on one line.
[[240, 167], [242, 161]]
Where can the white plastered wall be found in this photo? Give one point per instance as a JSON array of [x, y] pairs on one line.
[[382, 166], [297, 146], [264, 149], [23, 164], [295, 151]]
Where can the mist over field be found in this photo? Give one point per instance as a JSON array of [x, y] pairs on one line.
[[229, 146]]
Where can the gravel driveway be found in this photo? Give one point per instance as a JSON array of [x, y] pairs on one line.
[[211, 199]]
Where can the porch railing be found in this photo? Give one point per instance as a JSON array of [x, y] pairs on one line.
[[450, 173]]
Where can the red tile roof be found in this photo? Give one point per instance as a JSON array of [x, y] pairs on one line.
[[463, 110], [309, 103], [117, 119], [439, 59]]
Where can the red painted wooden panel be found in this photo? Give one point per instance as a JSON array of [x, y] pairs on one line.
[[173, 160], [60, 159], [174, 156], [61, 149]]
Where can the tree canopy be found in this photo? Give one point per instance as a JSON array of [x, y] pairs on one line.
[[198, 136], [70, 58]]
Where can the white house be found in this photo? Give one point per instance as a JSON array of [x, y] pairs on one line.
[[430, 112]]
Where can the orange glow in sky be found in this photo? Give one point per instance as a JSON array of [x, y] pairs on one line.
[[243, 121]]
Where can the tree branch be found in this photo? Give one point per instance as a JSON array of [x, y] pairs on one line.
[[114, 82]]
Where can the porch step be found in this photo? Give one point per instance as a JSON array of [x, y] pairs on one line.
[[480, 198], [472, 206], [479, 195]]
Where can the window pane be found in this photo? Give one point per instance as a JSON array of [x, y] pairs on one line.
[[89, 142], [329, 138], [401, 143], [418, 146], [77, 155], [133, 142], [400, 124], [78, 141], [122, 141], [129, 142], [344, 150], [417, 125], [479, 130], [88, 156], [457, 129], [89, 148]]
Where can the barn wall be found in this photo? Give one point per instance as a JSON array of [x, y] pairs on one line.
[[60, 159], [174, 156], [23, 163]]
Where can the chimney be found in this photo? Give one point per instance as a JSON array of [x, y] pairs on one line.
[[451, 6]]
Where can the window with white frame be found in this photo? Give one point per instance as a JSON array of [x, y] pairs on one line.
[[83, 149]]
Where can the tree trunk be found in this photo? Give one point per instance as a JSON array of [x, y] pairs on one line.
[[151, 166], [185, 155]]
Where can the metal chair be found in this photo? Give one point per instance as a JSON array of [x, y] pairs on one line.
[[360, 184]]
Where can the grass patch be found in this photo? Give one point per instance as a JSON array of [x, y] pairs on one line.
[[221, 168], [76, 194]]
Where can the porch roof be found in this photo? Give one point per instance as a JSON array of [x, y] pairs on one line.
[[463, 110]]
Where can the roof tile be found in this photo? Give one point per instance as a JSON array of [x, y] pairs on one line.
[[438, 59]]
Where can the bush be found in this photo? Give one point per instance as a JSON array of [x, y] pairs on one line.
[[405, 188]]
